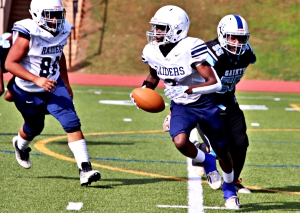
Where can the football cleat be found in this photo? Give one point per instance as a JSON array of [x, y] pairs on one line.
[[228, 190], [198, 168], [240, 188], [22, 156], [87, 174], [213, 177], [232, 203], [214, 180]]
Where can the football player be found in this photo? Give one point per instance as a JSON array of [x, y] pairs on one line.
[[41, 85], [230, 56], [181, 63]]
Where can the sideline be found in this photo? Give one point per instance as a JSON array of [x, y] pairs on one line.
[[41, 146]]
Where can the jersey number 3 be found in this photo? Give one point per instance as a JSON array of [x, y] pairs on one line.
[[46, 65], [228, 83]]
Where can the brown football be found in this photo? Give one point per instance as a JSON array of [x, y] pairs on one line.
[[148, 100]]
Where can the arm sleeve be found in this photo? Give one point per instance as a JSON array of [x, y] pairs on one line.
[[209, 89]]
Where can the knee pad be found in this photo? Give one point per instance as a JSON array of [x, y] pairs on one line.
[[70, 122], [33, 130]]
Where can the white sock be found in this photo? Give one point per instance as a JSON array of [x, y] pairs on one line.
[[22, 143], [228, 178], [200, 156], [194, 135], [79, 151]]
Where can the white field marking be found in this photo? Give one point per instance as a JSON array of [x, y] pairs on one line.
[[255, 124], [253, 107], [195, 193], [174, 207], [186, 207], [119, 102], [96, 91], [127, 119], [291, 109], [99, 91], [115, 102], [294, 99], [277, 99], [195, 190], [295, 106], [74, 206]]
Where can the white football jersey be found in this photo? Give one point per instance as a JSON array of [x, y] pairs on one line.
[[178, 68], [44, 53]]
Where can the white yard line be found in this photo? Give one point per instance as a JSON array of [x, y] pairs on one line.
[[195, 193], [195, 190]]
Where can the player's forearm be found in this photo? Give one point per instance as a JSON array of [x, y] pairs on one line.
[[152, 79], [202, 89], [19, 71], [63, 70]]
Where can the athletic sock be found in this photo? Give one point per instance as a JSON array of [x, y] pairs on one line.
[[228, 178], [22, 143], [79, 151], [200, 156]]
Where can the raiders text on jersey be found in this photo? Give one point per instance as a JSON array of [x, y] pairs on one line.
[[52, 50]]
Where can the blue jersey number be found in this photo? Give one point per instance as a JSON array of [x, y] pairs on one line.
[[228, 83], [45, 67]]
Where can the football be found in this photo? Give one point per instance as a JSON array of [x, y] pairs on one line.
[[148, 100]]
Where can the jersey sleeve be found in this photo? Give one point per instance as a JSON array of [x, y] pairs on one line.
[[144, 59], [23, 26], [145, 56], [253, 56], [67, 27], [198, 52]]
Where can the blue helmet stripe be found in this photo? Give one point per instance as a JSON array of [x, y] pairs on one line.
[[239, 21]]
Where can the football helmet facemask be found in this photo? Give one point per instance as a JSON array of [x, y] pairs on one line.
[[170, 24], [233, 34], [49, 14]]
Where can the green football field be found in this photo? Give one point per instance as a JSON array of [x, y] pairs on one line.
[[141, 169]]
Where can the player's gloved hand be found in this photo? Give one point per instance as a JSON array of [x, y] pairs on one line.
[[176, 91], [166, 123], [132, 99]]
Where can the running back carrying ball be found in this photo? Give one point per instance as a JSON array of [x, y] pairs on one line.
[[148, 100]]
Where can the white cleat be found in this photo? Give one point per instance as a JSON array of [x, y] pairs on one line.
[[232, 203], [22, 156], [243, 191], [87, 175], [240, 188], [199, 170], [214, 180]]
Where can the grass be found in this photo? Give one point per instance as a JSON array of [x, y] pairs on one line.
[[114, 34], [140, 166]]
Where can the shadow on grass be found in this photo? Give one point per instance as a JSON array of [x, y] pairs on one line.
[[268, 206], [285, 190], [97, 143], [109, 183], [42, 135]]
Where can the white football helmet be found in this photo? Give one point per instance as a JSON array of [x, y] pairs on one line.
[[49, 14], [172, 21], [233, 26]]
